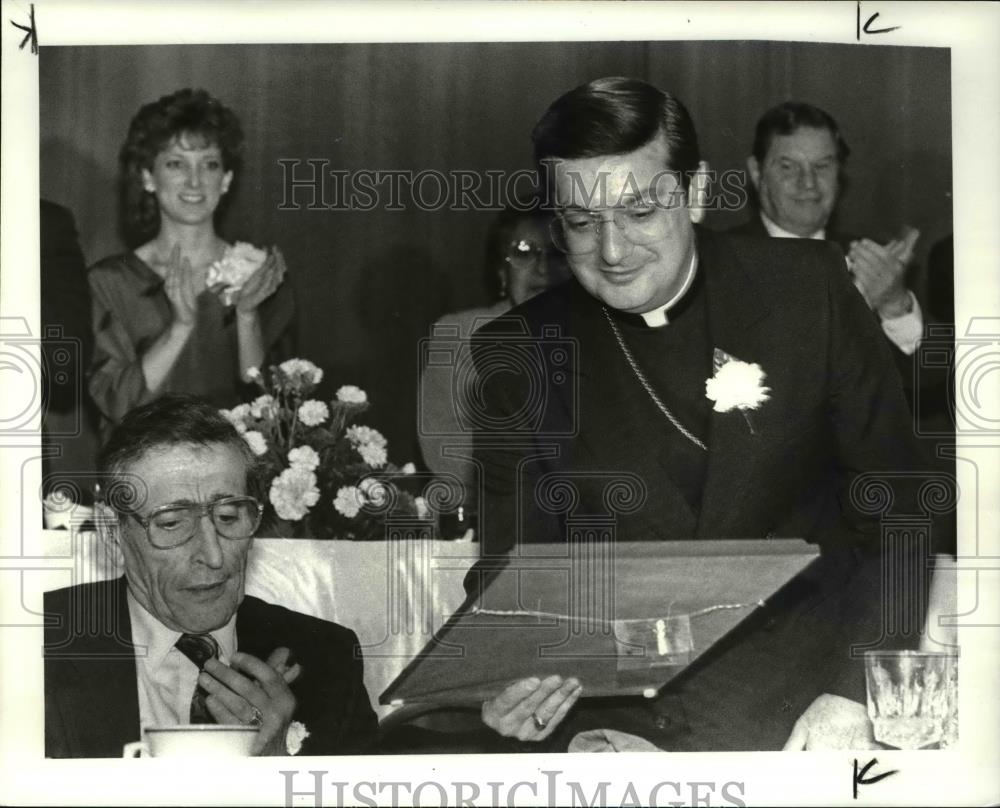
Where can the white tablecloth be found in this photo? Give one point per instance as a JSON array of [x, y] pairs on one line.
[[393, 595]]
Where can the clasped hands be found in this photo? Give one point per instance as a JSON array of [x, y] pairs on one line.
[[183, 284], [249, 690], [879, 273]]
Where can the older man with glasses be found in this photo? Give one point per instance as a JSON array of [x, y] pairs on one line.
[[176, 640], [739, 385]]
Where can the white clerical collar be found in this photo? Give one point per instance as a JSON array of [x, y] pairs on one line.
[[774, 231], [157, 639], [658, 316]]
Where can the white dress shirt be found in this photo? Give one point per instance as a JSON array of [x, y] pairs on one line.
[[904, 331], [166, 678]]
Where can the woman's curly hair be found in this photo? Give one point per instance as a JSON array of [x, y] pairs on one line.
[[187, 112]]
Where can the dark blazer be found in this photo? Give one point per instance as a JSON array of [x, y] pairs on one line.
[[91, 695], [836, 408], [836, 411], [904, 363]]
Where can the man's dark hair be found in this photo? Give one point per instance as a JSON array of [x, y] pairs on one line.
[[189, 112], [174, 419], [788, 118], [616, 116]]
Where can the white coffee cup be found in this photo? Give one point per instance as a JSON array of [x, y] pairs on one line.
[[194, 740]]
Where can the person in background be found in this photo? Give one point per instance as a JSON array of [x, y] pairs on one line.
[[69, 425], [176, 640], [521, 262], [158, 326], [799, 156]]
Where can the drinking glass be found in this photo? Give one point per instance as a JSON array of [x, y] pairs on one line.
[[912, 697]]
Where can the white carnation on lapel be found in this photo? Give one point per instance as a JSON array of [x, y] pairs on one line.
[[296, 734], [237, 264], [737, 385]]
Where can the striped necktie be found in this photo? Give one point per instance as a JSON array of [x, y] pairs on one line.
[[199, 648]]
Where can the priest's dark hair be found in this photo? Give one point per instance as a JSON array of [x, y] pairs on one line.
[[787, 118], [174, 419], [615, 116]]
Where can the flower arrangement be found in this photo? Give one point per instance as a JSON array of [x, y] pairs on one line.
[[326, 474]]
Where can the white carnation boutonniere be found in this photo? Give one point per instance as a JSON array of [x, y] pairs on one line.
[[237, 264], [296, 735], [736, 385]]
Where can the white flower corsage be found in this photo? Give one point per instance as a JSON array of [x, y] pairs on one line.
[[237, 264], [736, 385], [297, 733]]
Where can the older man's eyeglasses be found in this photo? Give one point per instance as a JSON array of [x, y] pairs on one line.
[[234, 518], [576, 231]]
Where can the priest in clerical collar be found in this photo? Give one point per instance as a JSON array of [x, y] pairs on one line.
[[689, 385]]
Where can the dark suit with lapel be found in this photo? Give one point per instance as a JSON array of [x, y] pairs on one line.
[[91, 695], [904, 363], [836, 410]]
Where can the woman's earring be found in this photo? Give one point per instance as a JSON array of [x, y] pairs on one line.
[[503, 283]]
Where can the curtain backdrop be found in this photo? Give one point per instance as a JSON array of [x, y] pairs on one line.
[[370, 283]]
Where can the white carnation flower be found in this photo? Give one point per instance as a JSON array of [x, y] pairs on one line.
[[737, 385], [313, 412], [301, 370], [253, 373], [409, 468], [348, 501], [304, 457], [262, 406], [293, 493], [296, 734], [349, 394], [373, 454], [237, 264], [256, 442], [236, 417], [365, 434]]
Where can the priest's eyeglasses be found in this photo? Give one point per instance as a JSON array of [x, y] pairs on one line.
[[234, 518], [578, 231]]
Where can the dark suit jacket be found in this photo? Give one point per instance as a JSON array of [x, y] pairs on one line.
[[91, 695], [904, 363], [836, 411]]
